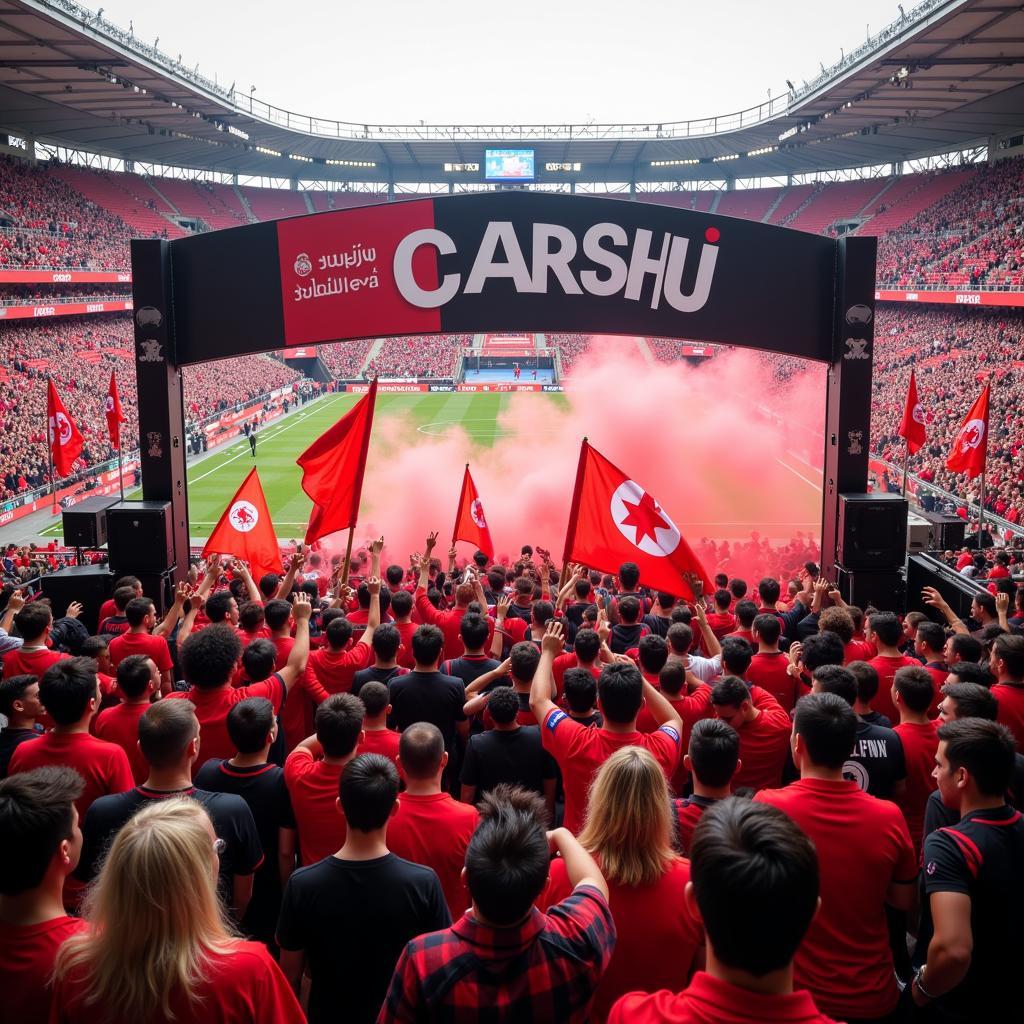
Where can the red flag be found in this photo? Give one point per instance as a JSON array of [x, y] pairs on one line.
[[912, 424], [470, 521], [971, 444], [332, 469], [115, 415], [65, 440], [247, 531], [614, 520]]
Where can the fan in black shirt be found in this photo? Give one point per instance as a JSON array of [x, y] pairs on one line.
[[20, 705]]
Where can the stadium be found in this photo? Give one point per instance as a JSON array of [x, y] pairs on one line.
[[254, 361]]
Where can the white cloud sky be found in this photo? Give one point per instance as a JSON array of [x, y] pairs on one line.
[[465, 61]]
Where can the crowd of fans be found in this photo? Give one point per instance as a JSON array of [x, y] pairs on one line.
[[572, 347], [345, 359], [428, 355], [490, 793]]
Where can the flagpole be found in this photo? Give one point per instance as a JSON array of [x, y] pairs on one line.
[[462, 498], [49, 448], [120, 471], [348, 555], [906, 459]]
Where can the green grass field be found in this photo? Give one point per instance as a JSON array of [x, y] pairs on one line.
[[213, 481]]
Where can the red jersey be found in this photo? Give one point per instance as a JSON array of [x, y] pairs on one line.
[[769, 672], [649, 919], [580, 751], [859, 650], [108, 608], [721, 623], [919, 745], [691, 708], [212, 707], [863, 847], [120, 725], [886, 667], [764, 743], [243, 985], [306, 693], [448, 621], [563, 663], [405, 631], [335, 670], [434, 831], [743, 634], [27, 954], [709, 1000], [146, 644], [33, 663], [313, 787], [688, 813], [1010, 711], [381, 741]]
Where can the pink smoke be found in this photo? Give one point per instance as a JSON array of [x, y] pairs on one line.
[[723, 448]]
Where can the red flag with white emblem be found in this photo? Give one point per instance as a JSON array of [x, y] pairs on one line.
[[247, 531], [971, 443], [912, 424], [614, 520], [65, 440], [470, 521], [115, 415]]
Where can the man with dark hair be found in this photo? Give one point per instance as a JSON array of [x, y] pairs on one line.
[[222, 607], [208, 661], [402, 612], [970, 672], [962, 647], [736, 657], [430, 828], [721, 620], [474, 661], [585, 654], [169, 739], [712, 759], [763, 728], [34, 622], [41, 846], [769, 666], [336, 665], [447, 621], [112, 620], [109, 607], [972, 926], [629, 630], [21, 706], [579, 690], [1006, 663], [867, 689], [929, 643], [250, 775], [385, 643], [769, 591], [427, 695], [466, 972], [659, 618], [753, 873], [865, 858], [347, 917], [913, 693], [886, 632], [745, 612], [580, 750], [137, 680], [312, 770], [138, 639], [510, 753], [377, 737]]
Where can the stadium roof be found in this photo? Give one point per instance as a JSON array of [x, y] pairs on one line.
[[947, 76]]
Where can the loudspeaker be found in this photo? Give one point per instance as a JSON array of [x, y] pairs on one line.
[[872, 531], [159, 588], [885, 589], [926, 571], [947, 531], [85, 524], [90, 585], [139, 537]]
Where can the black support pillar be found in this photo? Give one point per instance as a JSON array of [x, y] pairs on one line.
[[848, 400], [161, 405]]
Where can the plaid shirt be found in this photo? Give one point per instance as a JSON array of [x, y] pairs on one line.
[[545, 969]]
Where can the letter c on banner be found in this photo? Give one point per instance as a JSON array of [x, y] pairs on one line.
[[407, 285]]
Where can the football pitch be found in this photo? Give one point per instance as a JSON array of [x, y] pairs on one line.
[[213, 480]]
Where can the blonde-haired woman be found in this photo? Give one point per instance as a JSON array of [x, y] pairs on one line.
[[628, 831], [158, 948]]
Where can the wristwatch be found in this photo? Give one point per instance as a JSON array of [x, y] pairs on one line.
[[918, 979]]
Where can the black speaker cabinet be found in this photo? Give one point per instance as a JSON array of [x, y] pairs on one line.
[[85, 524], [90, 585], [139, 537], [159, 587], [884, 589], [947, 531], [872, 531]]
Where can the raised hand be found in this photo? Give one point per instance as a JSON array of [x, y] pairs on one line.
[[74, 610], [431, 543], [552, 642], [302, 608], [16, 601], [373, 585], [377, 546]]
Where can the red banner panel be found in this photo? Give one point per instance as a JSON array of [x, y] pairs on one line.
[[953, 298], [65, 276], [62, 309]]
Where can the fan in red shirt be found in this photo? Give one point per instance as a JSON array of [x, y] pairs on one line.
[[141, 615], [168, 851], [721, 620], [754, 890], [866, 860], [914, 694], [405, 621], [41, 846], [745, 612], [1006, 663], [312, 774], [34, 622], [629, 834], [336, 664], [885, 631], [252, 624], [586, 649], [430, 827], [109, 607], [712, 759], [208, 661], [377, 737], [929, 643], [769, 667], [581, 750], [137, 681], [763, 727]]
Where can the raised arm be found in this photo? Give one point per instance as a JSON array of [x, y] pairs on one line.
[[376, 547], [373, 613], [295, 563], [240, 569], [934, 599], [580, 867], [14, 605], [543, 685], [302, 609], [182, 593], [210, 578], [661, 710], [711, 644]]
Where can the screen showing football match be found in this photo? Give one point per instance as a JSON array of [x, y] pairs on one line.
[[508, 164]]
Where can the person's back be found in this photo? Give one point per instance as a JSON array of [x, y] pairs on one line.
[[348, 916], [866, 860], [914, 692], [137, 679], [763, 727]]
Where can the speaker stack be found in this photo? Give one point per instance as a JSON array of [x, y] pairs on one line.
[[90, 585], [85, 524], [872, 550], [140, 543]]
